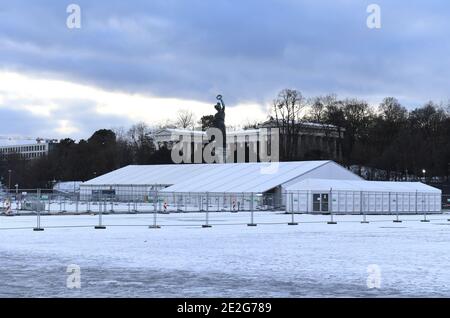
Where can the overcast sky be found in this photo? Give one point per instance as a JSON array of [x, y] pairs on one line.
[[144, 60]]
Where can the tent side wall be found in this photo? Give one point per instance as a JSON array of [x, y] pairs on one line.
[[329, 170], [370, 202], [118, 192]]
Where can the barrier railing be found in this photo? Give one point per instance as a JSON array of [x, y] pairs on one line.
[[203, 209]]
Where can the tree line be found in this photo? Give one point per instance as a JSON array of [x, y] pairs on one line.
[[388, 140]]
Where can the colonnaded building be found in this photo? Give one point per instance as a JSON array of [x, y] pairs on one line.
[[312, 141]]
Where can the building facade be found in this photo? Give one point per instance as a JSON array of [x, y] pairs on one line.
[[312, 140], [29, 151]]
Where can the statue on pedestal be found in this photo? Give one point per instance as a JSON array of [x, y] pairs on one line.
[[219, 118]]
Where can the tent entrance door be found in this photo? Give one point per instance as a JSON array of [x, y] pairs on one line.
[[320, 202]]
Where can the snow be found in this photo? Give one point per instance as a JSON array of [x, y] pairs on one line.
[[182, 259]]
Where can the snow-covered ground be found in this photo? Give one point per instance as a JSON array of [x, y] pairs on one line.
[[182, 259]]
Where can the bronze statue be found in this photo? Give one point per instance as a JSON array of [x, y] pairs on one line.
[[219, 118]]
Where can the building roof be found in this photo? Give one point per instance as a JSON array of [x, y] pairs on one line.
[[360, 185], [184, 132], [229, 177], [273, 123]]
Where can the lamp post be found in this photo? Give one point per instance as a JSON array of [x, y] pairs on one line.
[[424, 175], [448, 172], [9, 180]]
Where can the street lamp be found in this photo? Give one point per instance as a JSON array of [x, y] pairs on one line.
[[9, 179], [424, 175]]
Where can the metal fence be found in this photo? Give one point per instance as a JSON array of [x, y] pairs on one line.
[[47, 201]]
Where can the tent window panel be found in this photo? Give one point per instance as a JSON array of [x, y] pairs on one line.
[[357, 202], [342, 202], [371, 202], [393, 202], [365, 202], [385, 202], [412, 202], [378, 201], [435, 206], [437, 202], [432, 208], [419, 203], [349, 201], [399, 202], [302, 202]]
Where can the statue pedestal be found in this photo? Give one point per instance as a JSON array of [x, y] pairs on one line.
[[220, 154]]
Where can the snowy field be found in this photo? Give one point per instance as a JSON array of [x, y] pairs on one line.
[[230, 259]]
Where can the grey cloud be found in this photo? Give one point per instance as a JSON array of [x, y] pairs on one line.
[[247, 50], [14, 121]]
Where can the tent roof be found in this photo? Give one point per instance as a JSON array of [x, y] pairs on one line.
[[362, 185], [229, 177], [244, 177]]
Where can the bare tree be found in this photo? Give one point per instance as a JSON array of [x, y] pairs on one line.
[[392, 111], [138, 132], [140, 138], [185, 119], [287, 109], [167, 123], [318, 107], [251, 124]]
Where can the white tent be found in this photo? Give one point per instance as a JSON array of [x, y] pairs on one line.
[[359, 196], [257, 177], [138, 183]]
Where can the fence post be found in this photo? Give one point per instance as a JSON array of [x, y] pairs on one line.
[[206, 225], [64, 205], [364, 221], [330, 206], [38, 227], [175, 201], [425, 220], [251, 211], [397, 220], [100, 225], [307, 202], [292, 208], [155, 212]]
